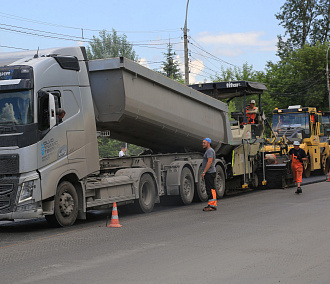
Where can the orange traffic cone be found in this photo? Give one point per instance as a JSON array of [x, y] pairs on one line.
[[328, 176], [114, 218]]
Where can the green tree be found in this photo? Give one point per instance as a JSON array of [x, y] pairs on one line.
[[108, 147], [305, 22], [110, 45], [170, 66], [245, 73], [299, 78], [111, 147]]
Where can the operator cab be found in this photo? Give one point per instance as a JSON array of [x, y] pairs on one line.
[[326, 122], [227, 91], [297, 123]]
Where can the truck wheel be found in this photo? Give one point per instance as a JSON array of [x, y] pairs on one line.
[[147, 194], [307, 167], [325, 163], [220, 184], [201, 194], [255, 181], [65, 206], [187, 186]]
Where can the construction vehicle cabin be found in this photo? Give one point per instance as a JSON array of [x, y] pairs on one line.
[[303, 124], [326, 123]]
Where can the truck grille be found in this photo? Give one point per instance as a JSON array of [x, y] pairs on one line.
[[5, 194], [8, 191], [9, 164]]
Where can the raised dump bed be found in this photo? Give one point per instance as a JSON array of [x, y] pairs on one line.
[[145, 108]]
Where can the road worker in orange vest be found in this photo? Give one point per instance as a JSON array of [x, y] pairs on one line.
[[251, 111], [297, 156], [208, 174]]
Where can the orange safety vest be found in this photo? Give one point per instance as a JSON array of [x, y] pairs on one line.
[[250, 116], [312, 119]]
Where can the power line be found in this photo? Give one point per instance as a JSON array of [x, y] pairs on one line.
[[197, 67], [151, 44], [77, 28], [205, 56], [202, 49], [6, 46], [151, 40], [40, 35], [198, 75], [302, 91], [66, 35], [205, 65], [209, 62], [46, 34]]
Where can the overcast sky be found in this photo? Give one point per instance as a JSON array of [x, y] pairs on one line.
[[231, 32]]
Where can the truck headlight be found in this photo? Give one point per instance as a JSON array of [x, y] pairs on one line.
[[26, 191]]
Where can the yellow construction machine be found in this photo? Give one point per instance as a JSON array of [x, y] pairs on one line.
[[296, 123]]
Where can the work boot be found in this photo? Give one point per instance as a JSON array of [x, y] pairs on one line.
[[210, 208], [298, 190]]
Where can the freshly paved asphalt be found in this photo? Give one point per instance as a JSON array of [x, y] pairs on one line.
[[264, 236]]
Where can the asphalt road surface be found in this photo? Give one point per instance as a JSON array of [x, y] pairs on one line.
[[269, 236]]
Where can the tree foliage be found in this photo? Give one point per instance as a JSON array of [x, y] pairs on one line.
[[299, 78], [110, 45], [305, 22], [110, 148], [245, 73], [170, 66]]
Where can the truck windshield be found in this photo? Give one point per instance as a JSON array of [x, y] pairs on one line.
[[326, 119], [290, 120], [16, 107]]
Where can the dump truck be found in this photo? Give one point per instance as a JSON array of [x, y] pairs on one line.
[[50, 166], [296, 123]]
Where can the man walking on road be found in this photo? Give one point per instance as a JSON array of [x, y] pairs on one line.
[[297, 156], [208, 175]]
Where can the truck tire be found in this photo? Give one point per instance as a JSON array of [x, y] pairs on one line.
[[65, 206], [187, 186], [147, 194], [325, 164], [255, 181], [307, 167], [200, 193], [220, 183]]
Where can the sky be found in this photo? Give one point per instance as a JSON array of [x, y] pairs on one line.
[[221, 33]]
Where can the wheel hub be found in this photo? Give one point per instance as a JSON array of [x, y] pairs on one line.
[[66, 204], [187, 186], [146, 195]]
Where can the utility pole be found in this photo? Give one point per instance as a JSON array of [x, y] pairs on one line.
[[327, 66], [327, 74], [186, 59]]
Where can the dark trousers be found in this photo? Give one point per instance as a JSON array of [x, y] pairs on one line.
[[210, 188]]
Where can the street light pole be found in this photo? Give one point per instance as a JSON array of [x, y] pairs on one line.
[[185, 41], [327, 74]]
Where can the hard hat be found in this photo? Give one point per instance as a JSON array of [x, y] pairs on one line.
[[208, 140], [296, 143], [252, 102]]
